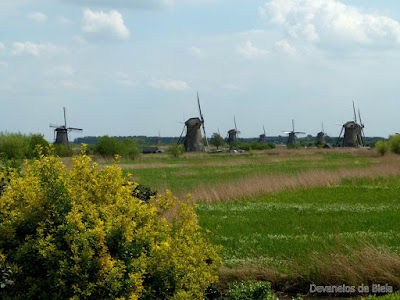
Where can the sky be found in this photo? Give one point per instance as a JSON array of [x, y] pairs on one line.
[[133, 67]]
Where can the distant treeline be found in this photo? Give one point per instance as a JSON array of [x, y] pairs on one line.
[[154, 140]]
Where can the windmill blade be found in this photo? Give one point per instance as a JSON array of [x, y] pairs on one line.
[[293, 124], [287, 132], [65, 118], [337, 142], [202, 118], [264, 130], [359, 116], [204, 131], [198, 103], [72, 128], [234, 120], [323, 131], [299, 132], [54, 126], [180, 140], [355, 116]]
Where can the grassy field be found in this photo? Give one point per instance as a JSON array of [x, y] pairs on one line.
[[292, 217]]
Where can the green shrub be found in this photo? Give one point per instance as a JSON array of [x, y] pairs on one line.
[[382, 147], [175, 150], [20, 146], [251, 290], [394, 143], [62, 151], [131, 150], [143, 193], [252, 145], [110, 146], [394, 296], [36, 140], [80, 234], [14, 145]]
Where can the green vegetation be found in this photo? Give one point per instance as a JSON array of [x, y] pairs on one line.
[[210, 170], [394, 296], [175, 150], [382, 147], [80, 234], [108, 147], [298, 231], [20, 146], [256, 290], [394, 143], [217, 140]]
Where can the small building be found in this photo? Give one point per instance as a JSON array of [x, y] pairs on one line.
[[148, 150]]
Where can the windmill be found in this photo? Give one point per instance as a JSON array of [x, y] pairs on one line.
[[321, 135], [61, 132], [353, 132], [292, 135], [263, 137], [233, 134], [193, 141]]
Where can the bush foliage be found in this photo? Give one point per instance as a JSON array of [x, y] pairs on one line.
[[252, 145], [80, 234], [394, 143], [175, 150], [110, 146], [382, 147], [255, 290], [20, 146]]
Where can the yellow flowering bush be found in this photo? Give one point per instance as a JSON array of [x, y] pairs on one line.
[[80, 234]]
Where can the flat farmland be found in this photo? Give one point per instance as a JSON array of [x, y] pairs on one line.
[[292, 217]]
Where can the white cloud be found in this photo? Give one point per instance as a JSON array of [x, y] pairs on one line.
[[105, 24], [2, 48], [63, 20], [330, 21], [22, 48], [248, 50], [37, 17], [125, 80], [62, 70], [286, 48], [80, 40], [144, 4], [195, 51], [177, 85]]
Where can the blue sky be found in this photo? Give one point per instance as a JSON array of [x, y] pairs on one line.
[[132, 67]]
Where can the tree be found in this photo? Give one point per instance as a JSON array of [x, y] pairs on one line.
[[394, 143], [217, 140], [382, 147]]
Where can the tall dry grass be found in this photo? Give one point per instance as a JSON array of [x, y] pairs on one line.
[[386, 166], [345, 265]]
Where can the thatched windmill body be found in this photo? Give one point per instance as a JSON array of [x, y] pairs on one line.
[[353, 132], [233, 134], [193, 140], [61, 132], [263, 137], [292, 135]]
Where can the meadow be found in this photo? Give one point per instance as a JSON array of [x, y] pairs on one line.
[[292, 217]]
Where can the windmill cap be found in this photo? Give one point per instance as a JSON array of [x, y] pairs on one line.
[[193, 122]]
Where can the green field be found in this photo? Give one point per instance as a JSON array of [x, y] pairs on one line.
[[327, 217]]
